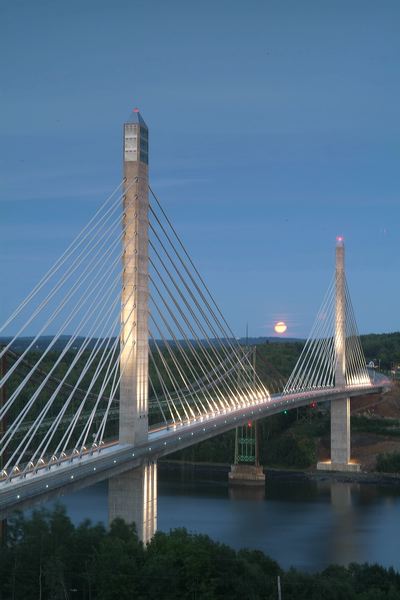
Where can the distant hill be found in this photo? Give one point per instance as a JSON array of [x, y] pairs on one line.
[[254, 341], [384, 347], [43, 341]]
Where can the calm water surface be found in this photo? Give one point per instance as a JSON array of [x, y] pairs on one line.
[[305, 524]]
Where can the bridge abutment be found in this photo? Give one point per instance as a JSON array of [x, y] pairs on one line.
[[132, 497]]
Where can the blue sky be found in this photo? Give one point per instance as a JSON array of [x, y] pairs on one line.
[[274, 126]]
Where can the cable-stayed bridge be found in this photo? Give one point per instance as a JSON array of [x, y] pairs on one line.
[[149, 364]]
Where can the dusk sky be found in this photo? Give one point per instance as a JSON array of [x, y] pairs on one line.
[[274, 127]]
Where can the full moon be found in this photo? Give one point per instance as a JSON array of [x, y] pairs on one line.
[[280, 327]]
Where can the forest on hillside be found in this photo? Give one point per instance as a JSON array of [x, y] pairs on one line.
[[382, 347]]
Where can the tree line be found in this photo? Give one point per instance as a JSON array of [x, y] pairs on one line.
[[46, 557]]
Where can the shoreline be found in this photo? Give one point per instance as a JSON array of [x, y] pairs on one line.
[[220, 471]]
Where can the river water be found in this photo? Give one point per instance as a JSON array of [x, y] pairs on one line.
[[300, 523]]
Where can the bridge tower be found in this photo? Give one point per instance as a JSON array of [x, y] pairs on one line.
[[133, 495], [340, 409]]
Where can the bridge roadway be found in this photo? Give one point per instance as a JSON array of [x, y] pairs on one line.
[[113, 459]]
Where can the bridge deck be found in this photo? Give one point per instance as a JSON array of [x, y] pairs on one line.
[[114, 458]]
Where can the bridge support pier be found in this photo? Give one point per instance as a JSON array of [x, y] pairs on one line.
[[247, 475], [246, 470], [340, 431], [132, 496], [340, 439]]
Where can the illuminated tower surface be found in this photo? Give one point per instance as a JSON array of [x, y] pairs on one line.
[[133, 427], [340, 409], [132, 495]]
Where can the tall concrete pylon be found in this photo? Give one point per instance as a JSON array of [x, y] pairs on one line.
[[340, 409], [133, 412], [133, 495]]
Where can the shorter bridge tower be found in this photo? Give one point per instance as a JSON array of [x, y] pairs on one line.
[[340, 409]]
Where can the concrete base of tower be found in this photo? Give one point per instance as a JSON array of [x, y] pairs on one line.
[[349, 467], [247, 475], [132, 497]]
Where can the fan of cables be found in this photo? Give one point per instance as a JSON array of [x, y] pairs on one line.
[[61, 369], [197, 367], [317, 364]]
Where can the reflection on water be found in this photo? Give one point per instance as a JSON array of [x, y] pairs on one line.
[[255, 494], [300, 523]]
